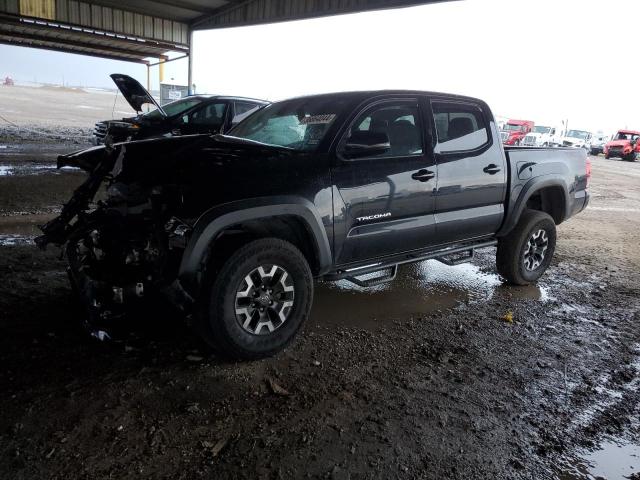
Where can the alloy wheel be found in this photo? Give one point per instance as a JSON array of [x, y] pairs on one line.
[[264, 299], [536, 249]]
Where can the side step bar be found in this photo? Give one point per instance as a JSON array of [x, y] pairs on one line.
[[386, 275], [449, 256], [457, 258]]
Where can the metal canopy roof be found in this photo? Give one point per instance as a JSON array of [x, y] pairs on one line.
[[140, 29]]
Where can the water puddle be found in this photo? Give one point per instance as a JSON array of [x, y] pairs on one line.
[[22, 229], [614, 460], [420, 288], [7, 170], [9, 240]]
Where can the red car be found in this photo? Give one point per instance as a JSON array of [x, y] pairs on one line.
[[514, 131], [624, 145]]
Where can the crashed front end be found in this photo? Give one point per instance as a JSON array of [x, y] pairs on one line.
[[124, 244]]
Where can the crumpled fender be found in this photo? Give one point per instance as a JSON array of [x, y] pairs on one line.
[[86, 159]]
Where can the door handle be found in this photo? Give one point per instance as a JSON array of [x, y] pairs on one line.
[[491, 169], [423, 175]]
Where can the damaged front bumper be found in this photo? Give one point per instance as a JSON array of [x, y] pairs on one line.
[[116, 252], [98, 161]]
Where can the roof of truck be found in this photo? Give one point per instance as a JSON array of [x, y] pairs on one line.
[[363, 94]]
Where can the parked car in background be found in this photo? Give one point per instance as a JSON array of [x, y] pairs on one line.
[[624, 145], [233, 228], [542, 136], [193, 114], [598, 141], [577, 139], [514, 131]]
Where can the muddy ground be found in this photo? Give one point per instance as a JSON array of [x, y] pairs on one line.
[[420, 378]]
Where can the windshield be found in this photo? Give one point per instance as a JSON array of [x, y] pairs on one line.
[[174, 108], [541, 129], [577, 134], [626, 136], [299, 124], [514, 128]]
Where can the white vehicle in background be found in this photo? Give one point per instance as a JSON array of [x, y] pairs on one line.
[[501, 121], [542, 136], [577, 139], [598, 141]]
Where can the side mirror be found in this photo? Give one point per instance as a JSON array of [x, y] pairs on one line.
[[366, 144]]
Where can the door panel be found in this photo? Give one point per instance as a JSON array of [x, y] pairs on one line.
[[385, 203], [472, 175]]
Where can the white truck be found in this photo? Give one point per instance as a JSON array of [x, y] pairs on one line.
[[577, 139], [542, 136]]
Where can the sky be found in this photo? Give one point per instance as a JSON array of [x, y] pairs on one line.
[[30, 65], [541, 60]]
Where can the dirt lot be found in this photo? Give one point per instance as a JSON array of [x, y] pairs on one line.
[[421, 378], [49, 107]]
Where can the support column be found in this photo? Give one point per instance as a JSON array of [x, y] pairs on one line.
[[192, 90], [163, 59]]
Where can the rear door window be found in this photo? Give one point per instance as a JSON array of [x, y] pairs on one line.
[[459, 127]]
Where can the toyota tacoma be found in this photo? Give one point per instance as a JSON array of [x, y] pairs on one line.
[[234, 228]]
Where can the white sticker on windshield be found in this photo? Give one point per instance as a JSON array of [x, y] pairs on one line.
[[318, 119]]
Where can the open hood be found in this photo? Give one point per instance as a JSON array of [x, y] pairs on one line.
[[134, 93]]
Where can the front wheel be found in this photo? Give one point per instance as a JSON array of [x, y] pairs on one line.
[[526, 252], [631, 157], [258, 300]]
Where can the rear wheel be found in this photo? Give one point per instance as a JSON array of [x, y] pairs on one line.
[[526, 252], [258, 301]]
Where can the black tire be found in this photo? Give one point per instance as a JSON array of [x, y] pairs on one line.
[[607, 156], [631, 157], [513, 259], [219, 324]]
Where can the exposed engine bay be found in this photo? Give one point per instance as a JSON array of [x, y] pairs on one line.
[[120, 246]]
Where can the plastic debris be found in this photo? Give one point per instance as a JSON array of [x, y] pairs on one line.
[[508, 317], [216, 448], [275, 388]]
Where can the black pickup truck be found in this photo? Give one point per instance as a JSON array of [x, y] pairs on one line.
[[234, 228]]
